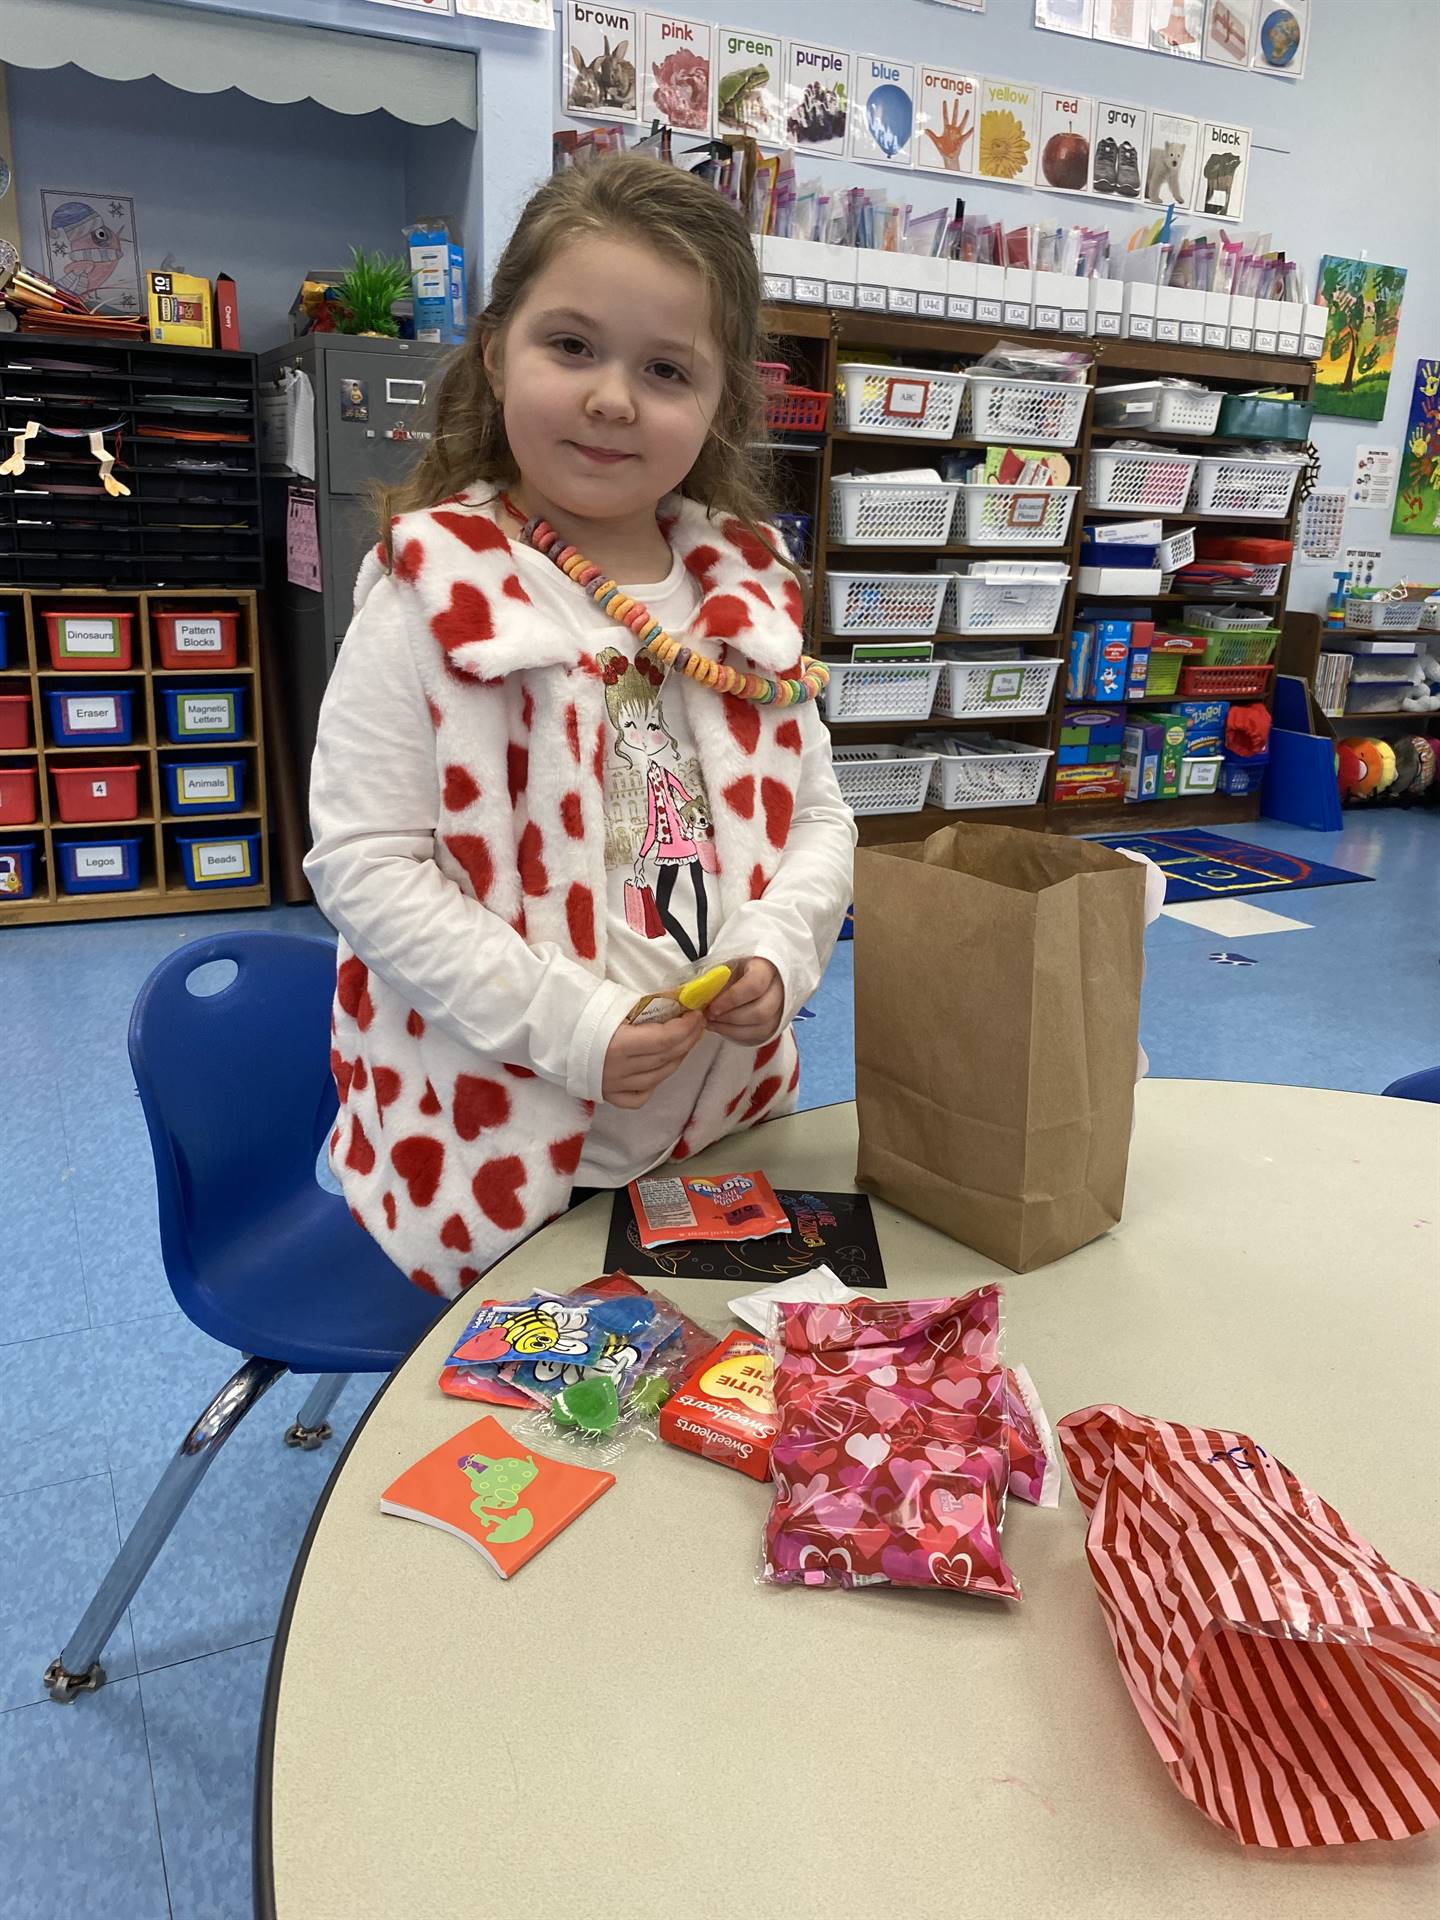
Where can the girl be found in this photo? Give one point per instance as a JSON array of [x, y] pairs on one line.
[[511, 772]]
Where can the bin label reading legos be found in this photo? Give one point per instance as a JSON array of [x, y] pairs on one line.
[[735, 1206], [725, 1408]]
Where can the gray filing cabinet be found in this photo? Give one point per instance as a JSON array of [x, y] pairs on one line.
[[373, 421]]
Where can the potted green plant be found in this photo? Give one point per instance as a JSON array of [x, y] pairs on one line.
[[368, 291]]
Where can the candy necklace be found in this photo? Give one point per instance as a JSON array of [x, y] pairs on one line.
[[654, 640]]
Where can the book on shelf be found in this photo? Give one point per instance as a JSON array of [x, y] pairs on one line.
[[1332, 680]]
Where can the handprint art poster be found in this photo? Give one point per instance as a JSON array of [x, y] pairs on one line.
[[1417, 498], [946, 120], [91, 248]]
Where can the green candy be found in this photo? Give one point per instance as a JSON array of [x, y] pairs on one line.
[[652, 1390], [591, 1405]]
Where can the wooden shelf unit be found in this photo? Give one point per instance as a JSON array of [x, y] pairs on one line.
[[161, 889], [943, 344]]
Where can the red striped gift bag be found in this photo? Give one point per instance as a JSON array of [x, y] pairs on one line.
[[1289, 1678]]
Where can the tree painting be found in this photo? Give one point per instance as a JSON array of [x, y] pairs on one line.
[[1352, 378], [1417, 498]]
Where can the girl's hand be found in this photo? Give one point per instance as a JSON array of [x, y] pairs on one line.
[[749, 1010], [639, 1059]]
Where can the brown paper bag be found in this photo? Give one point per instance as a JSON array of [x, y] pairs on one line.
[[997, 1007]]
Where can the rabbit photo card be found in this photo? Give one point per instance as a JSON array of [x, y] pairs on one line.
[[602, 44]]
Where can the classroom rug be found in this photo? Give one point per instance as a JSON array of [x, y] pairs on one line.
[[1205, 866]]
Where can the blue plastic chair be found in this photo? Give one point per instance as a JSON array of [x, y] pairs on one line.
[[238, 1096], [1424, 1085]]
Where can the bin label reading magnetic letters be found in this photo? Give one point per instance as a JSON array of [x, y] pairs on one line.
[[206, 713]]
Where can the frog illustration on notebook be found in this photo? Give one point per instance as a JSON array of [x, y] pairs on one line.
[[497, 1486]]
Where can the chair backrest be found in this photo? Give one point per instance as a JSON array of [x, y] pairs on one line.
[[1424, 1085], [235, 1086]]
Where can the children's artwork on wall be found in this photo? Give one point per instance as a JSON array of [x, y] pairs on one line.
[[1224, 167], [1282, 36], [675, 72], [1352, 375], [1417, 499], [1230, 32], [1124, 23], [601, 46], [1066, 16], [1170, 166], [882, 126], [817, 98], [1067, 129], [92, 248], [1177, 27], [1009, 120], [1118, 155], [947, 120], [749, 85]]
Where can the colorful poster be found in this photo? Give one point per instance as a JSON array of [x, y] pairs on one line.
[[948, 115], [91, 248], [1224, 167], [882, 127], [1067, 129], [1171, 166], [675, 72], [817, 98], [1066, 16], [601, 44], [1352, 375], [1374, 481], [749, 84], [1177, 27], [1009, 120], [1125, 23], [1282, 38], [1417, 499], [1229, 32], [1115, 161]]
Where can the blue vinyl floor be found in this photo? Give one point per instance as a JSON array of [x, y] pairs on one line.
[[135, 1803]]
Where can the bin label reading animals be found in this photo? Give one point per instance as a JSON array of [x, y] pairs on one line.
[[601, 44], [199, 785]]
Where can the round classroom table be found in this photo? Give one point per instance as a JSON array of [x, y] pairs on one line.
[[633, 1729]]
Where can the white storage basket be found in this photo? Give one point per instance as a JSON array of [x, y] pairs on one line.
[[1033, 413], [1430, 616], [1229, 619], [1382, 616], [1013, 516], [993, 602], [1157, 408], [915, 403], [990, 773], [895, 513], [985, 688], [1259, 489], [881, 690], [1121, 477], [1176, 550], [885, 603], [882, 779]]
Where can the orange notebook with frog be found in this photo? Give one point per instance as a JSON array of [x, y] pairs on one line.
[[504, 1498]]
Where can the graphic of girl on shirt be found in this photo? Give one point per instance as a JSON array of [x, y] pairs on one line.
[[677, 833]]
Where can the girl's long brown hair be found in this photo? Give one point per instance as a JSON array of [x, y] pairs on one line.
[[628, 197]]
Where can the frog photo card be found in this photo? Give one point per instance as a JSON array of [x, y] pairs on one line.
[[749, 80]]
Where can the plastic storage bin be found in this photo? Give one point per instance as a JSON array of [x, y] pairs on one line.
[[17, 797], [1242, 417], [990, 599], [1249, 649], [198, 639], [1231, 620], [1382, 616], [17, 870], [882, 779], [881, 690], [885, 603], [773, 373], [1034, 413], [96, 793], [203, 786], [99, 866], [1260, 489], [978, 686], [796, 410], [1120, 478], [14, 722], [90, 642], [1239, 775], [911, 403], [1227, 683], [897, 513], [1176, 550], [204, 713], [1013, 516], [1162, 673], [1158, 409], [988, 773], [98, 717], [209, 863]]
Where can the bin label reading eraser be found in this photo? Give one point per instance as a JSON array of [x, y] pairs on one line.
[[93, 716], [198, 784], [205, 713], [222, 860], [199, 636], [99, 863]]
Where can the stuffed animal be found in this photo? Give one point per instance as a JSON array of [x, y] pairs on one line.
[[1424, 693]]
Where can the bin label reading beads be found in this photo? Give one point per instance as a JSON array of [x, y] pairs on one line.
[[223, 860]]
